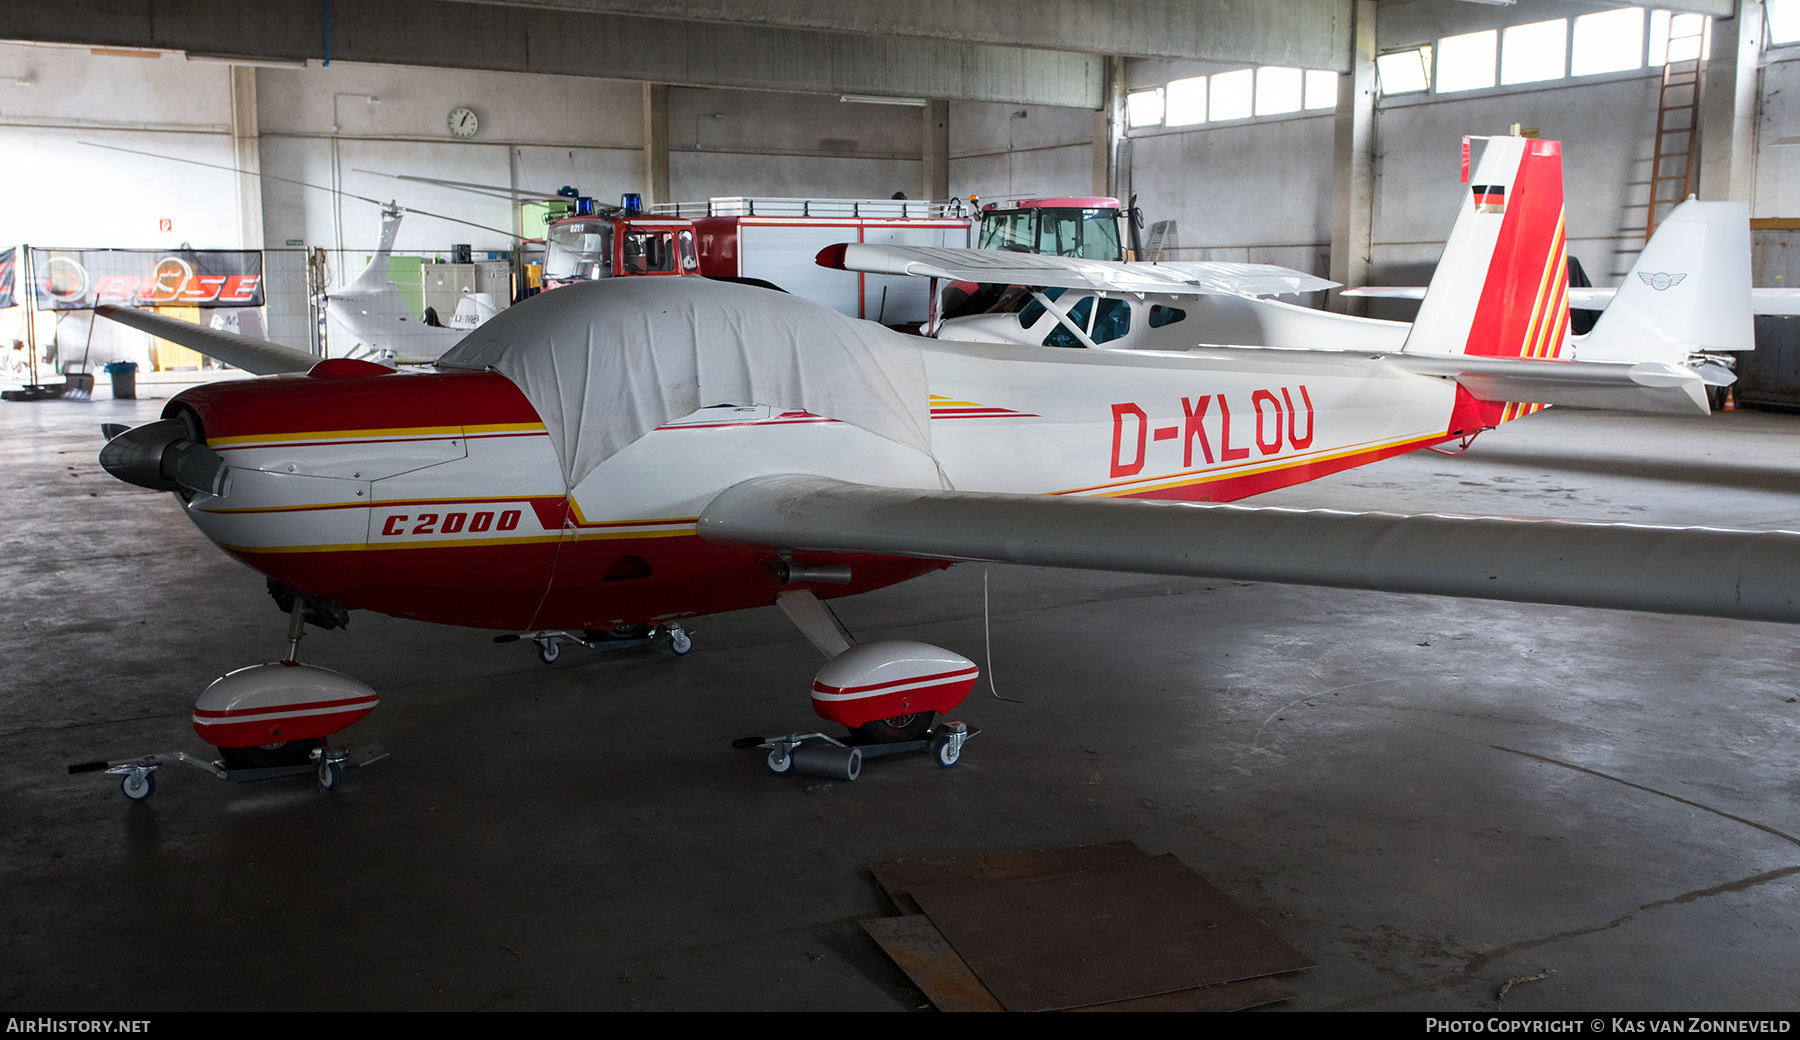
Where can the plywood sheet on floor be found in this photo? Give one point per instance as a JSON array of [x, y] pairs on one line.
[[1065, 928]]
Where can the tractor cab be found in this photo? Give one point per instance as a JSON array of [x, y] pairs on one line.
[[1083, 227]]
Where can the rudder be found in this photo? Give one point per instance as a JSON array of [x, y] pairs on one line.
[[1500, 289]]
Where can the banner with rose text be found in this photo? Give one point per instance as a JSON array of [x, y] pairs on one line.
[[78, 279]]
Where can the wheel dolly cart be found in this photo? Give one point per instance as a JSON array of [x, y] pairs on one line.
[[138, 775], [549, 643], [816, 754]]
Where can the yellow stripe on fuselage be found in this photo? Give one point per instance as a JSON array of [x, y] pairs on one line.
[[383, 434], [1207, 477]]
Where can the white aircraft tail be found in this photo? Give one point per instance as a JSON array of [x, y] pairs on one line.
[[1689, 291], [1496, 315], [1501, 287]]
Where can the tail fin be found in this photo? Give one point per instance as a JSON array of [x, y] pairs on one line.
[[1688, 291], [1500, 289]]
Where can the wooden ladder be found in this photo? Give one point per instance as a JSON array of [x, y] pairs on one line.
[[1672, 171]]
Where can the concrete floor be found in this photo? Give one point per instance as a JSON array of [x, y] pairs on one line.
[[1427, 796]]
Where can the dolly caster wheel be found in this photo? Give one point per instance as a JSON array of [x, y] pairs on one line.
[[549, 650], [138, 787], [331, 774], [680, 642], [947, 752], [780, 762]]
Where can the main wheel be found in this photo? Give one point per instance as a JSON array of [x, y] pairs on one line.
[[268, 756], [137, 788], [549, 650], [780, 761], [896, 729]]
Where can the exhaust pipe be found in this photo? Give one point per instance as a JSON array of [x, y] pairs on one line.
[[163, 456]]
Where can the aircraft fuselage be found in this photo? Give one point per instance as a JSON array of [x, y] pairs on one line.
[[440, 497]]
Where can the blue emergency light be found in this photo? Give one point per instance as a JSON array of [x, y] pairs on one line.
[[631, 202], [584, 207]]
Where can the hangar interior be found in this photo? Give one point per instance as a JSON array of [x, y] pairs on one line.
[[1430, 797]]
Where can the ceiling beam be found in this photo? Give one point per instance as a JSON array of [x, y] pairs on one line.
[[521, 38], [1304, 33]]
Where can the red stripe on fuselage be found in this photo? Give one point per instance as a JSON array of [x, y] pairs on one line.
[[564, 585], [281, 406], [1230, 489]]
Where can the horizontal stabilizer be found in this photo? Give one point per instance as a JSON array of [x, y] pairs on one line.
[[1671, 570], [1645, 386], [1595, 298], [1582, 298], [256, 356], [1217, 278]]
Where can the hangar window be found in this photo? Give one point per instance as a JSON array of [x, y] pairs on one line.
[[1679, 37], [1145, 107], [1321, 88], [1608, 41], [1233, 95], [1279, 90], [1784, 20], [1404, 72], [1186, 100], [1466, 62], [1239, 94], [1535, 52]]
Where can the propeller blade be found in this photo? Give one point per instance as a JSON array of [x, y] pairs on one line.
[[303, 184], [494, 190]]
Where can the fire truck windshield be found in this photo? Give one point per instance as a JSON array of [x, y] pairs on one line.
[[578, 250], [1054, 231]]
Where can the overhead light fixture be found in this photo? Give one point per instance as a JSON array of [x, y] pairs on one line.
[[245, 59], [871, 99]]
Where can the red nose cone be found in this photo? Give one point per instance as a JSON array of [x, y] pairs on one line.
[[832, 256]]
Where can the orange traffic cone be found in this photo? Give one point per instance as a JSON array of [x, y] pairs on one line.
[[1730, 404]]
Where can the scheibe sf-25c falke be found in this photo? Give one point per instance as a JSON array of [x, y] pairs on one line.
[[642, 451]]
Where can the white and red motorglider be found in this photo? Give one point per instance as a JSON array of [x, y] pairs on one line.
[[637, 452]]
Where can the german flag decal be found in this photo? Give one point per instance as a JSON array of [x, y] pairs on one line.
[[1489, 198]]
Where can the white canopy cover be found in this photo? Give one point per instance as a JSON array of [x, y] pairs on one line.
[[606, 362]]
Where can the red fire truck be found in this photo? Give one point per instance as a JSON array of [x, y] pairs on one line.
[[762, 240]]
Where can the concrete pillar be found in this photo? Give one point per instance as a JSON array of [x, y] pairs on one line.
[[935, 151], [246, 146], [656, 144], [1353, 164], [1118, 146], [1728, 106], [1102, 150]]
